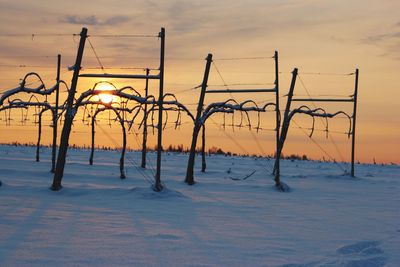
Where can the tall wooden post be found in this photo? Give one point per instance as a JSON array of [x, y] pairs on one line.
[[69, 116], [144, 142], [197, 124], [55, 116], [122, 159], [157, 185], [277, 111], [93, 136], [39, 135], [285, 127], [203, 149], [353, 132]]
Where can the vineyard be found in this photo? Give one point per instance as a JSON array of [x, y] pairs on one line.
[[136, 111]]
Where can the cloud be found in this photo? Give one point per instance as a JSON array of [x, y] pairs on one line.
[[91, 20], [379, 38], [390, 35], [116, 20], [389, 42], [94, 21]]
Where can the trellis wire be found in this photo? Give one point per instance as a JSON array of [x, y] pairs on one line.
[[328, 133], [142, 172]]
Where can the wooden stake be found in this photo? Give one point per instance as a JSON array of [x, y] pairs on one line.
[[144, 142], [277, 111], [353, 132], [197, 124], [203, 149], [157, 185], [285, 127], [122, 159], [39, 136], [93, 136], [69, 116], [55, 117]]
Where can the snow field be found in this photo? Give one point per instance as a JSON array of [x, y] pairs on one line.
[[328, 219]]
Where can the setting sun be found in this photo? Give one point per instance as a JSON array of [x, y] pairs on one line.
[[106, 97]]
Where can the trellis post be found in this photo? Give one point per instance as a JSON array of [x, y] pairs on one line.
[[288, 116], [197, 124], [285, 128], [55, 116], [157, 185], [277, 111], [39, 135], [144, 142], [122, 159], [203, 148], [353, 132], [93, 136], [69, 116]]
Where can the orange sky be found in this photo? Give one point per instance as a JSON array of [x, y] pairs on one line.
[[315, 36]]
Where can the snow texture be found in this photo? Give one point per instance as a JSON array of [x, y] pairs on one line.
[[97, 219]]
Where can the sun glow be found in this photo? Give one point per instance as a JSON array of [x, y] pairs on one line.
[[106, 97]]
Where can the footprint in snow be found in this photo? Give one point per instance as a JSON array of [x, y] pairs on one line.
[[362, 248], [363, 253], [360, 254]]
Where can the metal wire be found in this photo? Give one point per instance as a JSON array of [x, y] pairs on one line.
[[124, 35], [319, 146], [77, 34], [324, 123], [144, 174], [120, 68], [24, 66], [33, 35], [243, 58], [138, 142], [244, 84], [328, 74], [222, 78], [221, 128], [95, 54]]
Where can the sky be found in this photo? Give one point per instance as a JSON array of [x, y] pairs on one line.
[[334, 37]]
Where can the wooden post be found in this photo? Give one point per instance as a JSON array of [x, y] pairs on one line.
[[203, 149], [69, 116], [353, 132], [197, 124], [93, 136], [277, 111], [55, 116], [144, 143], [157, 185], [285, 128], [39, 135], [122, 159]]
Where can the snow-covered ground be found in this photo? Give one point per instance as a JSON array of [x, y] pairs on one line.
[[327, 219]]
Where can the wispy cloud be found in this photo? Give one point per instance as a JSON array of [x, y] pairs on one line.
[[389, 42], [94, 21], [378, 38], [91, 20]]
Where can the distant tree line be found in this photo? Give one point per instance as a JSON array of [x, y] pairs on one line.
[[170, 148], [181, 149]]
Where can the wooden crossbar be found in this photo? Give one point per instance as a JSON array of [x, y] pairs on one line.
[[323, 100], [242, 91], [120, 76]]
